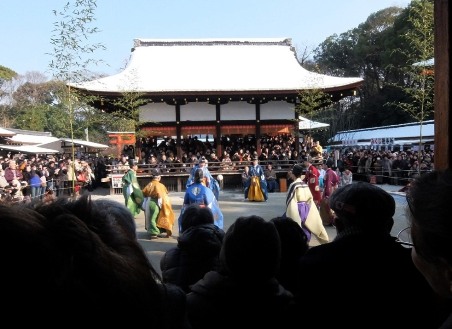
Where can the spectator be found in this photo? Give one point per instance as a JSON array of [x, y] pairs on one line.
[[365, 263], [317, 149], [346, 178], [226, 163], [429, 204], [386, 166], [14, 177], [3, 182], [197, 251], [84, 259], [294, 244], [249, 258], [270, 178]]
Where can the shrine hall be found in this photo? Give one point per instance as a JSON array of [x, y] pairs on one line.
[[215, 87]]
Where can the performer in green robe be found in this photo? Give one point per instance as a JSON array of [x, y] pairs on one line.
[[133, 196]]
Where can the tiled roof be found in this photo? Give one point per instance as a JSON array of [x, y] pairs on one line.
[[215, 65]]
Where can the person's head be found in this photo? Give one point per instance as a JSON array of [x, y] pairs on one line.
[[297, 170], [78, 255], [198, 176], [255, 160], [329, 163], [195, 215], [202, 162], [363, 206], [251, 250], [294, 242], [429, 209], [155, 174]]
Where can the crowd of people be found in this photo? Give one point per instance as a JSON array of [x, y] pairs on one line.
[[383, 166], [84, 257]]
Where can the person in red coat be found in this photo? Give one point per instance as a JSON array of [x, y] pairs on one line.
[[312, 178]]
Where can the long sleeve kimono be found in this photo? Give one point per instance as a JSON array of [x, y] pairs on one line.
[[131, 191], [199, 194], [256, 187], [158, 212], [300, 206]]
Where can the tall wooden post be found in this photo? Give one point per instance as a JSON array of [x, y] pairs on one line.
[[443, 91]]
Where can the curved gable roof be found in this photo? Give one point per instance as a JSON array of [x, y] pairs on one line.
[[215, 65]]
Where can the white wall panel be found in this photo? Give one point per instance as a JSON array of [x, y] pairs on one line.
[[238, 111], [197, 112], [157, 112], [277, 110]]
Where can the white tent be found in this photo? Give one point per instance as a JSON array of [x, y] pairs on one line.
[[429, 62], [5, 132], [34, 149], [402, 134], [32, 139], [306, 124]]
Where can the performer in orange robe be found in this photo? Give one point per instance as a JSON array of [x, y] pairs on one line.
[[157, 208]]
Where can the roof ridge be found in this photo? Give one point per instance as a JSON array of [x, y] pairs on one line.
[[213, 41]]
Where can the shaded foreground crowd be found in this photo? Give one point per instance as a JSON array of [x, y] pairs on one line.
[[78, 261]]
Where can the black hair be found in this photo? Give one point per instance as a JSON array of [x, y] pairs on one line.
[[429, 199], [196, 215]]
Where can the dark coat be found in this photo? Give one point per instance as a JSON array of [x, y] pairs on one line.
[[197, 253], [220, 300], [362, 281]]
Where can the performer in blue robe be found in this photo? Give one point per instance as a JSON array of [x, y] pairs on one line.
[[208, 179], [256, 187], [198, 193]]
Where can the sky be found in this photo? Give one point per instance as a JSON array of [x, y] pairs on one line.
[[27, 25]]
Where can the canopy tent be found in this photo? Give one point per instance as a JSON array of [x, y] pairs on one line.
[[402, 134], [307, 124], [429, 62], [5, 132], [81, 142], [31, 139], [33, 149]]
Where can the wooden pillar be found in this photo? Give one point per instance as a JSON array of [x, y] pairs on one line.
[[178, 133], [219, 149], [296, 127], [443, 124], [258, 128]]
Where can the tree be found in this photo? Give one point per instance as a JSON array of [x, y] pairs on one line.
[[72, 55], [310, 101], [6, 74], [418, 78], [365, 51]]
